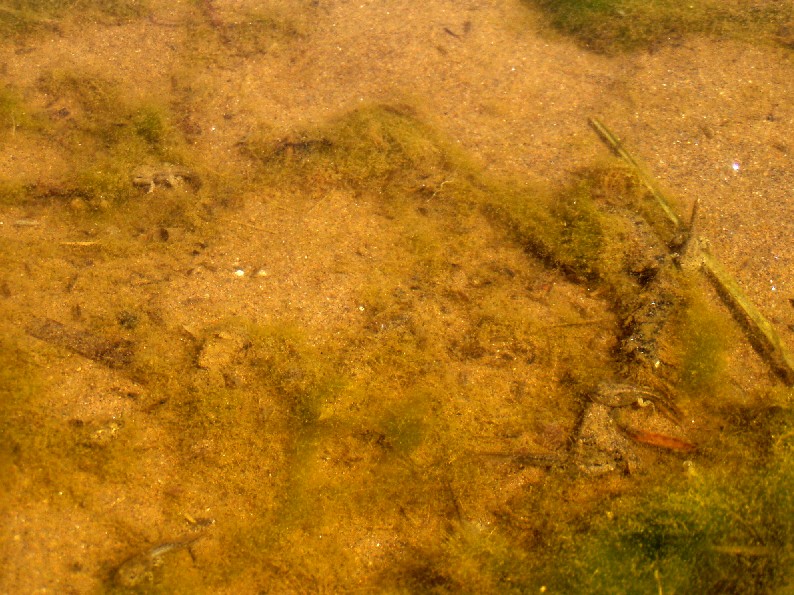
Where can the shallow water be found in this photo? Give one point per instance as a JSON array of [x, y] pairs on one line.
[[312, 296]]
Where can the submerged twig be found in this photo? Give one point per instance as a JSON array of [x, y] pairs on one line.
[[547, 461], [750, 551], [27, 223], [762, 333], [139, 570], [614, 143], [84, 244], [579, 323]]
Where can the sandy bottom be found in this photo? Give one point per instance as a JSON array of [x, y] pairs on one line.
[[712, 121]]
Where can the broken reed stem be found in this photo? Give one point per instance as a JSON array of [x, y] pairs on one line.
[[614, 143], [579, 323], [762, 333]]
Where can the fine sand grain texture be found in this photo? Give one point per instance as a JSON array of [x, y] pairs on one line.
[[314, 296]]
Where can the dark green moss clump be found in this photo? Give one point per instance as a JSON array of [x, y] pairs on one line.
[[710, 534], [621, 25], [105, 135], [378, 149]]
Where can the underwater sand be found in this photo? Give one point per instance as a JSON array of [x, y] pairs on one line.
[[308, 365]]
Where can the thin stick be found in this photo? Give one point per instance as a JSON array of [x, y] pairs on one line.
[[762, 333], [751, 551], [615, 144], [579, 323]]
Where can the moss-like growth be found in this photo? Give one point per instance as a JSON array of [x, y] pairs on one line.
[[621, 25], [587, 236], [149, 124], [97, 110], [11, 111], [17, 386], [405, 422], [379, 149], [580, 234], [107, 136], [42, 448], [617, 188], [706, 336], [261, 32], [21, 18], [367, 451], [241, 375], [388, 154], [710, 533], [303, 379], [11, 193]]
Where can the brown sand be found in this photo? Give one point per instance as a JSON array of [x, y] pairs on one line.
[[514, 95]]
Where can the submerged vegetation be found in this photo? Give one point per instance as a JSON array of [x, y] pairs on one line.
[[106, 134], [619, 25], [25, 17], [376, 380], [349, 438], [708, 533]]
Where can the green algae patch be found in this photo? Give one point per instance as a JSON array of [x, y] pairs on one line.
[[248, 32], [563, 231], [418, 437], [387, 154], [266, 30], [96, 109], [598, 230], [303, 379], [105, 141], [47, 452], [24, 18], [378, 149], [17, 386], [706, 336], [120, 164], [611, 26], [12, 193], [13, 112], [709, 532]]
